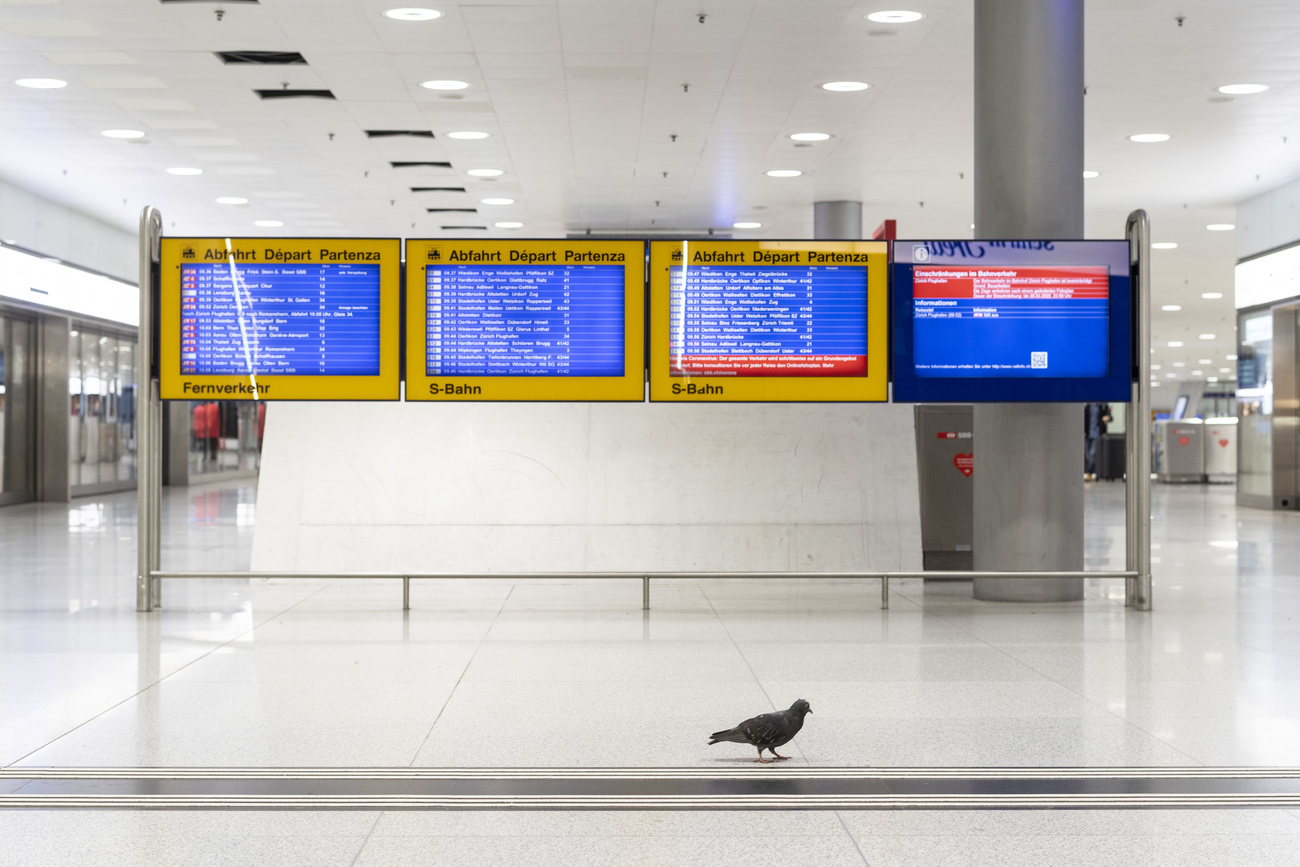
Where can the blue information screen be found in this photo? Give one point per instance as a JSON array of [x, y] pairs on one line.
[[548, 320], [739, 321], [301, 320], [1023, 320]]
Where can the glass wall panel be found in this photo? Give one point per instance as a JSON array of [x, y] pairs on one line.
[[225, 436], [17, 411], [1255, 403], [101, 403]]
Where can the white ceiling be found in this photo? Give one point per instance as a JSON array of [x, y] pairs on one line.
[[583, 100]]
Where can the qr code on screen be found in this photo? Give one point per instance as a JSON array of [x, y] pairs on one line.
[[1038, 360]]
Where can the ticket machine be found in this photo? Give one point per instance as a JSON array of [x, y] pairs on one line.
[[1179, 450], [1220, 443]]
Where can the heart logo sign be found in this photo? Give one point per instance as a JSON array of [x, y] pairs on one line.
[[1224, 443], [1182, 441], [965, 464]]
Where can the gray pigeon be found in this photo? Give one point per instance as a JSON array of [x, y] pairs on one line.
[[766, 731]]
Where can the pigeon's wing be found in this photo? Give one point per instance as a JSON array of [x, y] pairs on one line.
[[768, 728]]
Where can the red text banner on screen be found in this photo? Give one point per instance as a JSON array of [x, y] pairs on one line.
[[525, 320], [280, 318], [768, 321]]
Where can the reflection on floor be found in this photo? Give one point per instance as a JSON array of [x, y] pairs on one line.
[[243, 673]]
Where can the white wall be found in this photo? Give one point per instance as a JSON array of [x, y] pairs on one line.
[[1269, 220], [608, 487], [56, 230]]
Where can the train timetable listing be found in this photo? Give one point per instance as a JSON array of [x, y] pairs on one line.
[[526, 320], [307, 319], [768, 321], [1026, 320]]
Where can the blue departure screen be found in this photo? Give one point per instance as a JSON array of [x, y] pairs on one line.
[[556, 320], [1022, 320], [301, 320], [739, 321]]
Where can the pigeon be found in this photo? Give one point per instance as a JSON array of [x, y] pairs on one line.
[[766, 731]]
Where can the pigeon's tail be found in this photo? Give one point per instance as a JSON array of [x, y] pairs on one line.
[[728, 735]]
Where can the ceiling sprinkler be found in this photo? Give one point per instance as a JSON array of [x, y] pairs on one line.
[[221, 13]]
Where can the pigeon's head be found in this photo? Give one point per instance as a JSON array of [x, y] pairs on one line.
[[800, 707]]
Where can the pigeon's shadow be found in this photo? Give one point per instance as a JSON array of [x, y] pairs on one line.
[[742, 761]]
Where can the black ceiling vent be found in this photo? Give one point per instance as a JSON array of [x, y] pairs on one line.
[[452, 210], [438, 190], [462, 228], [263, 58], [390, 133], [426, 164], [289, 93]]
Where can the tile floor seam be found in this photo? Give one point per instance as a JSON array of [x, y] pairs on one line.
[[461, 678], [839, 817], [366, 841], [138, 693]]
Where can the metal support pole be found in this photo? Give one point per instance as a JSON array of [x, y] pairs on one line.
[[884, 591], [406, 592], [148, 426], [1137, 500], [645, 592]]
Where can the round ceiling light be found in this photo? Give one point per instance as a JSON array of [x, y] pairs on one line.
[[268, 224], [810, 136], [896, 16], [1243, 89], [1089, 175], [784, 173], [232, 200], [508, 224], [1206, 336], [121, 133], [485, 173], [1221, 227], [184, 171], [1170, 308], [746, 225], [1149, 137], [413, 14], [469, 134], [1211, 296], [496, 201], [845, 86], [41, 83], [1174, 344], [444, 84], [1164, 245]]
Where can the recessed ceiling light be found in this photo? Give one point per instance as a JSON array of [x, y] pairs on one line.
[[897, 16], [184, 171], [1230, 357], [1155, 385], [509, 224], [1205, 361], [1225, 370], [413, 14], [268, 224], [1171, 307], [1155, 367], [497, 201], [1210, 378], [232, 200], [1148, 137], [121, 133], [1174, 343], [1243, 89], [1206, 336], [468, 134], [1179, 364], [1210, 296], [1165, 245], [811, 136], [1089, 175], [845, 86], [1198, 373], [784, 173], [485, 173], [1221, 227], [41, 83], [444, 84], [1171, 376], [746, 225]]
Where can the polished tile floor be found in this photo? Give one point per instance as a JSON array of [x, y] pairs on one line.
[[258, 673]]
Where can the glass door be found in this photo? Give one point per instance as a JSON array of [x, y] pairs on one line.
[[17, 412]]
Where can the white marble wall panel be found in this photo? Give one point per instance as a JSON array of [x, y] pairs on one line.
[[56, 230], [557, 487]]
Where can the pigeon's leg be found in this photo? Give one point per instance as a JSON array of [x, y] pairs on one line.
[[778, 755], [760, 757]]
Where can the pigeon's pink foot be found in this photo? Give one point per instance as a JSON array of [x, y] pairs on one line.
[[779, 756], [764, 761]]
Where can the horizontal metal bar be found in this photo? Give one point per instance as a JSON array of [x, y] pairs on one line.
[[655, 802], [602, 576], [756, 772]]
